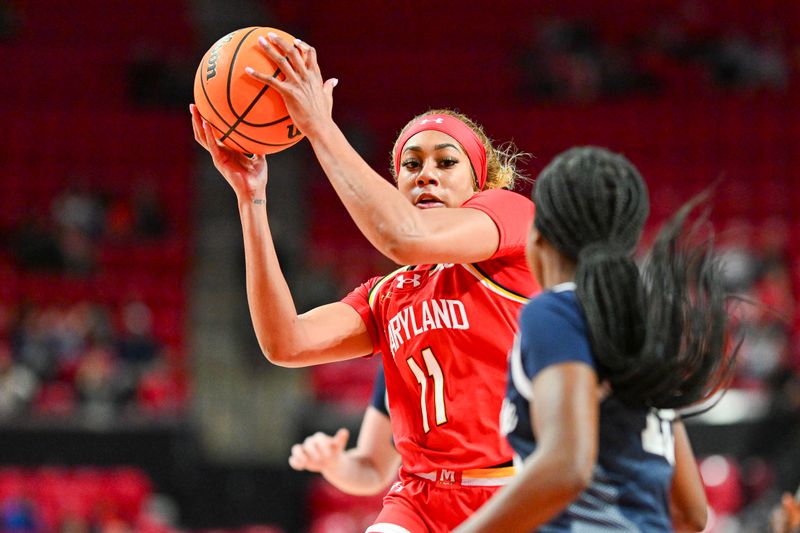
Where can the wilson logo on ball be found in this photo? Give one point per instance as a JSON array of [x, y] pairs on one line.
[[244, 113], [211, 70]]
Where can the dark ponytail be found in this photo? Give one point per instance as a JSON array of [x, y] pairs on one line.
[[658, 336]]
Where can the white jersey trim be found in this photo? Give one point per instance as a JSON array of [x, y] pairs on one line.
[[471, 481], [385, 527], [521, 381], [519, 463], [563, 287]]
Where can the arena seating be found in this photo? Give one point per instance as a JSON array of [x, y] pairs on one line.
[[67, 112], [85, 494], [69, 116], [334, 511]]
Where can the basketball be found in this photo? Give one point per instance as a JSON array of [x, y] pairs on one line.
[[246, 115]]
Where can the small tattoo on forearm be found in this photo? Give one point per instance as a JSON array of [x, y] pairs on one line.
[[259, 201]]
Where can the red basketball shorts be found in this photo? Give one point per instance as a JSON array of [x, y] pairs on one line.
[[437, 501]]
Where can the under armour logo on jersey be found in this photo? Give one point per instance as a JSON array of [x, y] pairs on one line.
[[436, 120], [402, 280]]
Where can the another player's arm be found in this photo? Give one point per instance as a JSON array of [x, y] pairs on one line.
[[373, 463], [400, 231], [785, 518], [688, 505], [364, 470], [395, 227], [327, 333], [565, 417]]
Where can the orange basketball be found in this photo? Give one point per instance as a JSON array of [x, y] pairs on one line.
[[247, 115]]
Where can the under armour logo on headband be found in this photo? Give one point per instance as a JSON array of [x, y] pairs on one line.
[[458, 130]]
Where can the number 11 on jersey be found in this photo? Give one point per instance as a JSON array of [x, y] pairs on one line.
[[434, 372]]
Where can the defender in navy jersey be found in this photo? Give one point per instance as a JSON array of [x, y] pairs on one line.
[[631, 481], [602, 358]]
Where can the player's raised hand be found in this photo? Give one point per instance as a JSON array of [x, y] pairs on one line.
[[786, 517], [308, 99], [319, 451], [247, 175]]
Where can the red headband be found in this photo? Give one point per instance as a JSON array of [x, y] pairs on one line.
[[456, 129]]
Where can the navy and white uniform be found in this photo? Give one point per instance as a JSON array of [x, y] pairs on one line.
[[379, 399], [630, 484]]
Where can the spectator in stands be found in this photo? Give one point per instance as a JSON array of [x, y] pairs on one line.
[[568, 60], [34, 341], [149, 220], [76, 347], [78, 251], [756, 267], [158, 78], [136, 344], [767, 364], [737, 254], [119, 220], [139, 216], [738, 61], [158, 391], [20, 515], [101, 383], [35, 247], [80, 209], [9, 22], [80, 221], [18, 384]]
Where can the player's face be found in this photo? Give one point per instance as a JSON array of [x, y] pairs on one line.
[[532, 253], [434, 171]]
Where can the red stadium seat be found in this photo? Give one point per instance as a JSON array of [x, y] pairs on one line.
[[128, 488], [55, 398]]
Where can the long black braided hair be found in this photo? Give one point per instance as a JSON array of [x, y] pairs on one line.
[[659, 334]]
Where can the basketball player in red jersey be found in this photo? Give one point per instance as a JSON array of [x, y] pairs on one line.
[[444, 322]]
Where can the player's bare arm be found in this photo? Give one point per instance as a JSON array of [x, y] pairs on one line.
[[689, 506], [329, 333], [565, 415], [364, 470], [785, 518], [386, 217]]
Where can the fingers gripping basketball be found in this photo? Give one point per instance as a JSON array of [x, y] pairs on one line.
[[245, 114]]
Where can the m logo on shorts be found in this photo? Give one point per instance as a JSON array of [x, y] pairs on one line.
[[447, 476]]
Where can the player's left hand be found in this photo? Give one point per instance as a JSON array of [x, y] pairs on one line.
[[308, 99]]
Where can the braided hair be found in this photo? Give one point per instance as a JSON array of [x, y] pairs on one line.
[[658, 334]]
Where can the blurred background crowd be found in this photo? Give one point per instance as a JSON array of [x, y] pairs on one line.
[[133, 396]]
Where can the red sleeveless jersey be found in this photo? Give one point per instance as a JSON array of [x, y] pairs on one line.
[[445, 331]]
